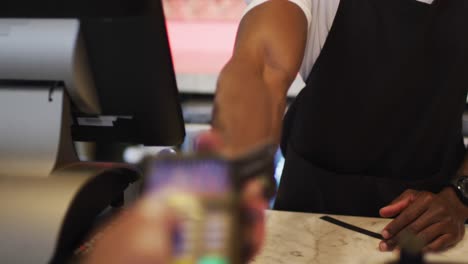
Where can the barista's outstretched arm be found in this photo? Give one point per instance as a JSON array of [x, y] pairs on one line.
[[251, 93]]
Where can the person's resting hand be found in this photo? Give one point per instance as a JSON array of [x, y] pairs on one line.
[[436, 219], [141, 235]]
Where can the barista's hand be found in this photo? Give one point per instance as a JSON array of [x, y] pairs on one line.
[[253, 198], [141, 235], [208, 141], [437, 219]]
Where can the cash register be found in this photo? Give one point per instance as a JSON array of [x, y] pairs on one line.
[[76, 70]]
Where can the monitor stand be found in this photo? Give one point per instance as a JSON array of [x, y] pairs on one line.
[[48, 198]]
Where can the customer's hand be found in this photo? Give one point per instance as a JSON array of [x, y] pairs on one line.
[[141, 235], [436, 219]]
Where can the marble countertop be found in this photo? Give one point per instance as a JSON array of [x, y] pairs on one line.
[[298, 238]]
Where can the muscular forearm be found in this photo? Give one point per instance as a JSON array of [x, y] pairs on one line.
[[248, 107]]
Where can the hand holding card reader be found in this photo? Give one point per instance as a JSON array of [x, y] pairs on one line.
[[205, 192]]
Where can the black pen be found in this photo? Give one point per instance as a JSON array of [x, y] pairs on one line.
[[352, 227]]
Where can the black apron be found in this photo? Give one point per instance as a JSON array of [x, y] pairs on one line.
[[382, 108]]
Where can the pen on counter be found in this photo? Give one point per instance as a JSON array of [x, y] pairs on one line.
[[352, 227]]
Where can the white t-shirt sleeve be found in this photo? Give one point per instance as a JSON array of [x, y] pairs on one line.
[[305, 5], [320, 15]]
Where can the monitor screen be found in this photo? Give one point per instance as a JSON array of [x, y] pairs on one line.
[[131, 64]]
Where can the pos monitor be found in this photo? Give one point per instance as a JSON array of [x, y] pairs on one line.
[[130, 62], [75, 70]]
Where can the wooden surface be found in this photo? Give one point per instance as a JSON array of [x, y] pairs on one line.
[[305, 238]]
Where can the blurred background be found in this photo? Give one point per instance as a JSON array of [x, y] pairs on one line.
[[202, 35], [207, 9]]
